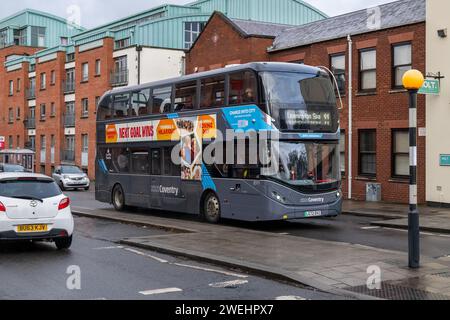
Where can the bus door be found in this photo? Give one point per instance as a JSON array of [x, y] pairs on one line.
[[140, 179], [155, 179]]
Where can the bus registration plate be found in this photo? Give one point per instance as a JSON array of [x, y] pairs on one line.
[[310, 214]]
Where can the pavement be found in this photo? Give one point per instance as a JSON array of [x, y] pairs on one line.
[[337, 268], [396, 215]]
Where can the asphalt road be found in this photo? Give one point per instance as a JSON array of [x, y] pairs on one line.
[[109, 271], [345, 228]]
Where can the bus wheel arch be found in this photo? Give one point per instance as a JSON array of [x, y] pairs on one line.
[[118, 197], [210, 208]]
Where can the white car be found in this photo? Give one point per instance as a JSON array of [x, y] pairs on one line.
[[71, 177], [33, 208]]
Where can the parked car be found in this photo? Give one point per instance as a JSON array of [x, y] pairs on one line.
[[71, 177], [5, 167], [33, 207]]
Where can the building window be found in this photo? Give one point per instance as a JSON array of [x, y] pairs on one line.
[[342, 151], [11, 87], [42, 112], [10, 115], [400, 153], [18, 113], [43, 81], [123, 43], [98, 66], [3, 38], [84, 143], [191, 32], [64, 41], [32, 142], [10, 142], [402, 62], [70, 57], [53, 77], [20, 37], [52, 109], [120, 72], [85, 108], [18, 141], [367, 153], [43, 142], [85, 72], [19, 84], [368, 70], [337, 63], [38, 37]]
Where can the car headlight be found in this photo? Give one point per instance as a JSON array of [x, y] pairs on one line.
[[66, 177], [278, 197]]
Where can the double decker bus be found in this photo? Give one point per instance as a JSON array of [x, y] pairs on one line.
[[153, 141]]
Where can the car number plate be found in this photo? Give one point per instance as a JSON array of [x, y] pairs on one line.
[[33, 228]]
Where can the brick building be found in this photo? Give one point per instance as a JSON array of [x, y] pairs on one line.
[[386, 41], [57, 72]]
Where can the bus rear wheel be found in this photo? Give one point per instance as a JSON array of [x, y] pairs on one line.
[[211, 208], [118, 198]]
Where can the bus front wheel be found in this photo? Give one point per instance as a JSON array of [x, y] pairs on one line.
[[211, 208], [118, 198]]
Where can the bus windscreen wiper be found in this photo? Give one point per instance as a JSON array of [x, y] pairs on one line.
[[28, 198]]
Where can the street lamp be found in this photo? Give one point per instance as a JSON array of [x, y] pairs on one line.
[[412, 81]]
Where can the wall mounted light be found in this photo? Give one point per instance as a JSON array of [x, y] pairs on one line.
[[442, 33]]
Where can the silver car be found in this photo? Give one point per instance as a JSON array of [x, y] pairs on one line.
[[71, 177]]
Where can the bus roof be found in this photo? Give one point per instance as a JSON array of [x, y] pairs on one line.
[[256, 66]]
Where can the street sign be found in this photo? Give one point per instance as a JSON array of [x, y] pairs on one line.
[[430, 87], [2, 143], [444, 160]]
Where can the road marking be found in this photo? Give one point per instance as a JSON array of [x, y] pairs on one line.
[[109, 248], [290, 298], [369, 228], [160, 291], [146, 255], [284, 234], [212, 270], [228, 284]]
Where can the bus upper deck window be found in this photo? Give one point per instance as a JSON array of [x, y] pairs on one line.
[[121, 106], [140, 103], [162, 100], [243, 88], [104, 111], [186, 96], [213, 92]]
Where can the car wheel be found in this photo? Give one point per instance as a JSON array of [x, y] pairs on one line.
[[118, 198], [63, 243], [61, 186], [211, 208], [87, 188]]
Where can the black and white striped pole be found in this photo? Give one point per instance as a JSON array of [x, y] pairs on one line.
[[413, 81]]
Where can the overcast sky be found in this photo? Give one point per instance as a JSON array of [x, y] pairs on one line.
[[97, 12]]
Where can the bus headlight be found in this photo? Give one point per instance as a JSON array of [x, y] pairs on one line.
[[278, 197], [338, 194]]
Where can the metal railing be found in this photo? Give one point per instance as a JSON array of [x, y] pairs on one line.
[[69, 120], [68, 155], [69, 86], [119, 77], [31, 93], [30, 123]]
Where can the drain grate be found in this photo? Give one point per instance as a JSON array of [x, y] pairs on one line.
[[395, 292]]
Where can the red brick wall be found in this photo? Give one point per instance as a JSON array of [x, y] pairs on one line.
[[220, 44], [95, 87], [18, 99], [385, 110], [51, 125]]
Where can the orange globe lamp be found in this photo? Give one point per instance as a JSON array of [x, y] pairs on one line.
[[413, 80]]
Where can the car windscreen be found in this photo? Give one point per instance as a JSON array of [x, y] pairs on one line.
[[71, 170], [29, 189], [13, 168]]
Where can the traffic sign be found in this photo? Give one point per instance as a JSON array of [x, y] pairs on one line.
[[430, 87], [2, 143]]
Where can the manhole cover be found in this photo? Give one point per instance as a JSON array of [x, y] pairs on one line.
[[395, 292]]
